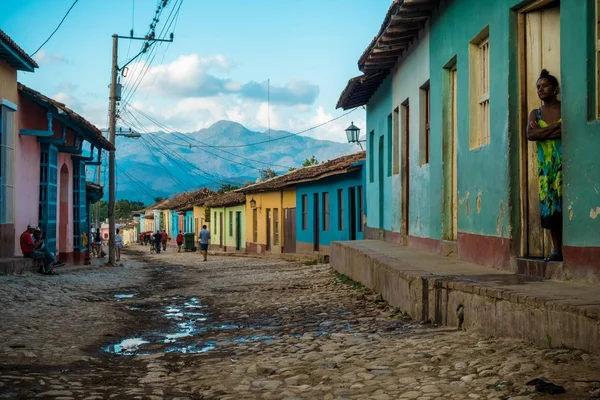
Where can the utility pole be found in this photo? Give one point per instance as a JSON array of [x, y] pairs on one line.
[[111, 155], [114, 96]]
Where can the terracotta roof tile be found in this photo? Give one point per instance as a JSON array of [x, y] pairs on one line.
[[187, 200], [232, 198], [106, 145], [336, 166], [15, 47]]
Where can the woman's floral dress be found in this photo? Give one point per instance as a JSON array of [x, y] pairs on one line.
[[549, 160]]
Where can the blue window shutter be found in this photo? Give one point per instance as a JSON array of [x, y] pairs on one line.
[[48, 194], [79, 204]]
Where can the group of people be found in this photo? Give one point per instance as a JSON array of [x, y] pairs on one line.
[[160, 240], [33, 246]]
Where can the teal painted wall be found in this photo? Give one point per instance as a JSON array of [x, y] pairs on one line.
[[424, 199], [483, 173], [378, 109], [581, 136]]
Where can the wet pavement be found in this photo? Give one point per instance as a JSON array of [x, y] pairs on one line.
[[169, 326]]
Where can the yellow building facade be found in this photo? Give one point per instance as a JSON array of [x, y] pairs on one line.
[[266, 219]]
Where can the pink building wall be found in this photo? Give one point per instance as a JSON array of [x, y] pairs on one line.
[[64, 243], [27, 187]]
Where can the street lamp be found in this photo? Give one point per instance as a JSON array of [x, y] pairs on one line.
[[353, 134], [253, 203]]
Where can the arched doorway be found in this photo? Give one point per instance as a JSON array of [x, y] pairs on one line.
[[63, 216]]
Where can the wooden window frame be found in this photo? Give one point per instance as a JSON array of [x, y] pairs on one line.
[[325, 200], [425, 126], [359, 193], [276, 226], [340, 200], [479, 90], [255, 225], [371, 156], [389, 144], [7, 163], [396, 141], [230, 223], [304, 212]]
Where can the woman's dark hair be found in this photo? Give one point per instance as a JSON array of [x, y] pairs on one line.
[[551, 78]]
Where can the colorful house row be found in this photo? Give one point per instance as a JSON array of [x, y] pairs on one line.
[[448, 88], [228, 215], [43, 168], [306, 209]]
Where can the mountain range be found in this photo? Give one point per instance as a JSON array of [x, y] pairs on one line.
[[161, 164]]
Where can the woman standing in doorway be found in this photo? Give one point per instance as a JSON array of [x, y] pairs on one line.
[[544, 127]]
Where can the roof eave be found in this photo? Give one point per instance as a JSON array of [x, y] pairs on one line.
[[15, 60]]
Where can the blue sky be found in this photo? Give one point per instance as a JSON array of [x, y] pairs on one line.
[[218, 66]]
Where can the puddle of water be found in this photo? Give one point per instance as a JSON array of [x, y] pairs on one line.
[[255, 338], [124, 295], [126, 347]]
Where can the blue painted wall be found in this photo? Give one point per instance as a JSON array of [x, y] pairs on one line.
[[188, 221], [329, 185], [174, 226]]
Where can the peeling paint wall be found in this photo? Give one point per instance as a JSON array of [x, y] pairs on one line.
[[581, 129], [483, 173]]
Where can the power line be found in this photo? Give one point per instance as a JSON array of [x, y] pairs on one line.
[[170, 154], [52, 34], [247, 144]]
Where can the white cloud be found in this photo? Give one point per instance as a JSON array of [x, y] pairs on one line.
[[44, 58], [94, 113]]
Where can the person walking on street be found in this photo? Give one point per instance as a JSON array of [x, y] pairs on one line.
[[179, 241], [118, 245], [204, 238], [157, 241], [164, 239]]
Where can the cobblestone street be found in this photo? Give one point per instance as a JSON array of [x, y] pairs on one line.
[[170, 326]]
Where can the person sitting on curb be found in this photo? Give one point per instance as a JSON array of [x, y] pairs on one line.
[[30, 250], [179, 241]]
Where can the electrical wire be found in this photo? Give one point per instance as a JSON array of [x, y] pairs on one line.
[[52, 34], [246, 144]]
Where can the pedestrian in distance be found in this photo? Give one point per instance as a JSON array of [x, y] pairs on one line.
[[157, 241], [179, 241], [164, 238], [204, 238], [118, 245]]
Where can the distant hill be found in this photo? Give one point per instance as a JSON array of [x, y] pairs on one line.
[[181, 167]]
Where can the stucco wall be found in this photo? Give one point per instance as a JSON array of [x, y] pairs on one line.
[[581, 139], [379, 108], [265, 200], [483, 173], [199, 216], [27, 188], [331, 186], [410, 75]]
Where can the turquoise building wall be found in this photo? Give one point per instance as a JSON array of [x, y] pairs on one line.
[[379, 108], [581, 135], [329, 185]]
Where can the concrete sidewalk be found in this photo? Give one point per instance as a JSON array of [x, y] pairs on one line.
[[431, 287]]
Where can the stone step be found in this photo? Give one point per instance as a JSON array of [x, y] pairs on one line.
[[17, 265], [538, 268]]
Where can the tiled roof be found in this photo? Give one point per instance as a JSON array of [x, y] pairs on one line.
[[85, 124], [186, 201], [401, 26], [25, 62], [232, 198], [336, 166]]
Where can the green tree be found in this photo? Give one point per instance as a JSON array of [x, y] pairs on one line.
[[124, 209], [226, 187], [310, 161], [267, 173], [157, 199]]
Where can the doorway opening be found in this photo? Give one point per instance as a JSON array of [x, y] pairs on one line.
[[63, 225], [539, 44], [449, 155]]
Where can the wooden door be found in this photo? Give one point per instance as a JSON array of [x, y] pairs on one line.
[[238, 230], [220, 229], [289, 230], [450, 160], [353, 212], [268, 229], [542, 50], [316, 224], [405, 168]]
